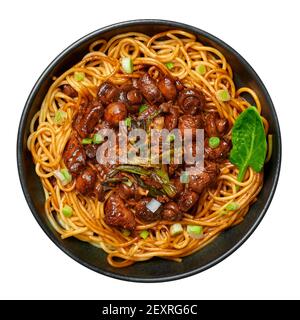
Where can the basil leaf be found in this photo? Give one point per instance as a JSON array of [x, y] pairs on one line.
[[249, 142]]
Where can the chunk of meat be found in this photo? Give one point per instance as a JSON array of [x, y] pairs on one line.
[[134, 96], [158, 123], [172, 114], [108, 93], [179, 85], [88, 117], [115, 112], [189, 122], [69, 91], [217, 154], [171, 212], [149, 89], [178, 185], [167, 86], [144, 214], [215, 126], [91, 150], [172, 168], [187, 200], [74, 155], [191, 101], [127, 192], [131, 97], [206, 179], [117, 214], [85, 182], [103, 169]]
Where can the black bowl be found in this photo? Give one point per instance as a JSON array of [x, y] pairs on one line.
[[156, 269]]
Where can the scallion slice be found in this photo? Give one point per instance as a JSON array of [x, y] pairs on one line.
[[223, 95], [169, 65], [97, 138], [128, 122], [184, 177], [67, 211], [232, 206], [144, 234], [201, 69], [153, 205], [176, 229], [63, 176], [214, 142], [171, 137], [143, 108], [79, 76], [195, 231], [60, 116], [87, 141], [127, 64]]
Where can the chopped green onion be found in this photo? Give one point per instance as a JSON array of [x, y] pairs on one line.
[[144, 234], [87, 141], [214, 142], [128, 183], [127, 64], [128, 122], [63, 176], [163, 175], [169, 65], [67, 175], [171, 137], [223, 95], [67, 211], [201, 69], [126, 232], [97, 138], [176, 229], [133, 169], [194, 231], [143, 108], [184, 177], [60, 116], [79, 76], [153, 205], [232, 206]]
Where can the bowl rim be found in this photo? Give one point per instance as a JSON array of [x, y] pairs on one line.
[[77, 43]]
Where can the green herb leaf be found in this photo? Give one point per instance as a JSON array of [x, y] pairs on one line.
[[249, 142]]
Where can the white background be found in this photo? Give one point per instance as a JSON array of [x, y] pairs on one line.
[[266, 33]]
